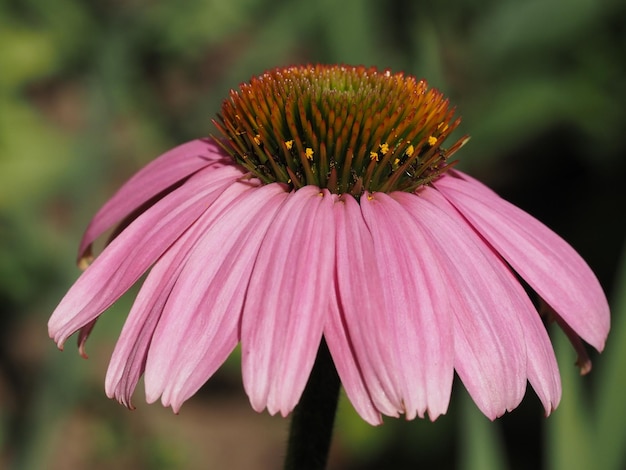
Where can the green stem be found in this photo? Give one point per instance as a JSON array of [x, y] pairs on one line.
[[312, 422]]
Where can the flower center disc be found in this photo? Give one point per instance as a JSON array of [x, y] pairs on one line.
[[348, 129]]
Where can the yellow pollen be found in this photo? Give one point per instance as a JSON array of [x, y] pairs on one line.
[[336, 133]]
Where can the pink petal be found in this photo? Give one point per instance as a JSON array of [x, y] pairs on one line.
[[160, 174], [348, 368], [490, 307], [200, 324], [360, 295], [287, 301], [551, 266], [135, 249], [129, 357], [421, 344], [543, 370]]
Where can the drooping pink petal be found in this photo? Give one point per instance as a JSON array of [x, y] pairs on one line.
[[360, 295], [151, 180], [551, 266], [542, 369], [490, 307], [348, 368], [417, 306], [199, 326], [135, 249], [287, 301], [129, 357]]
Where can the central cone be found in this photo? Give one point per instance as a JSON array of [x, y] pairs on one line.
[[347, 129]]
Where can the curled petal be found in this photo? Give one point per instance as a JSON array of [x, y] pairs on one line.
[[287, 301], [551, 266]]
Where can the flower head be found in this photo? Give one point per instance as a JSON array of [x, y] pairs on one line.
[[328, 209], [346, 129]]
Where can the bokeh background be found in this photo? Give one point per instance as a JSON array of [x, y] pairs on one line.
[[92, 90]]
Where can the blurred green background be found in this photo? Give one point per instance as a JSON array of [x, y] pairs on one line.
[[90, 91]]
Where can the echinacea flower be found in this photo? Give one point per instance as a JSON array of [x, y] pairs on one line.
[[328, 210]]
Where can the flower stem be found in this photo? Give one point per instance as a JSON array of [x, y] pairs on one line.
[[312, 422]]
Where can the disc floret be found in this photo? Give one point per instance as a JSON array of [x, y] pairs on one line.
[[348, 129]]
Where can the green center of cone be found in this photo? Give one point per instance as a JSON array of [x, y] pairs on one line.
[[348, 129]]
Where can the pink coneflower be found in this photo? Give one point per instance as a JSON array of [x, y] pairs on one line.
[[328, 211]]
